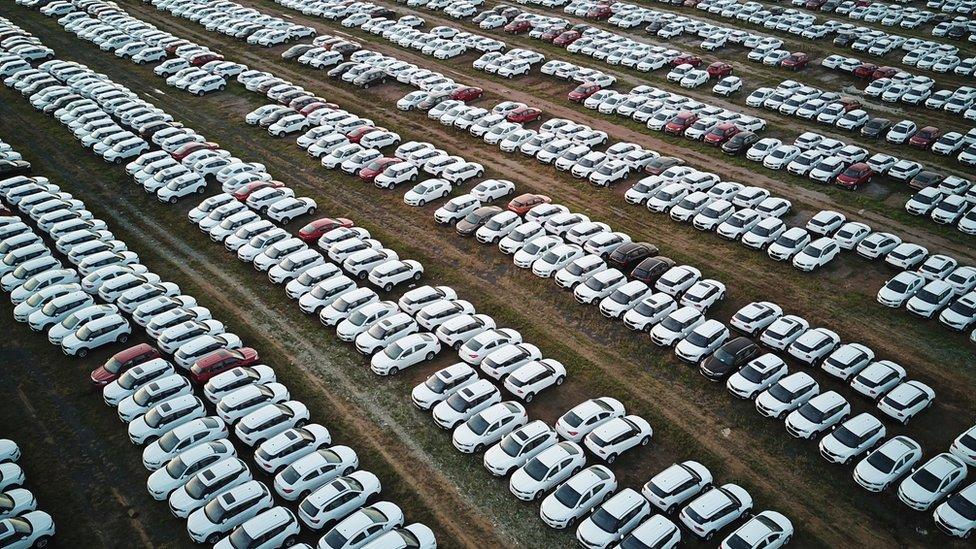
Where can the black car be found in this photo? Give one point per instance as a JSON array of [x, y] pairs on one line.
[[341, 69], [926, 178], [371, 78], [296, 51], [739, 143], [150, 129], [628, 255], [10, 168], [654, 27], [845, 39], [658, 165], [474, 220], [729, 358], [875, 127], [651, 269]]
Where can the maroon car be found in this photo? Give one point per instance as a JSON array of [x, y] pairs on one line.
[[518, 27], [681, 122], [865, 70], [720, 133], [220, 361], [566, 38], [686, 59], [719, 69], [583, 91], [854, 176], [524, 202], [467, 93], [524, 114], [795, 61], [315, 229], [376, 167], [925, 137], [122, 361]]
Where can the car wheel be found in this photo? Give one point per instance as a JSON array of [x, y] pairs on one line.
[[361, 276], [285, 220], [172, 200], [122, 338], [560, 380], [289, 541], [212, 539], [537, 496], [611, 458], [456, 345], [311, 211], [709, 536], [529, 397], [417, 275], [42, 541], [81, 353], [151, 439]]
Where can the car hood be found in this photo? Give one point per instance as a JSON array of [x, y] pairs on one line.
[[101, 375]]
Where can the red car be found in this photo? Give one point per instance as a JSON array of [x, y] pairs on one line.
[[681, 122], [850, 104], [376, 167], [467, 93], [356, 135], [185, 150], [854, 176], [518, 27], [599, 12], [312, 107], [925, 137], [686, 59], [525, 202], [122, 361], [303, 101], [566, 38], [884, 72], [551, 34], [204, 58], [865, 70], [220, 361], [721, 133], [719, 69], [315, 229], [583, 91], [173, 46], [796, 61], [248, 188], [524, 114]]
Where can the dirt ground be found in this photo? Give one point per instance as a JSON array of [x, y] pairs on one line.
[[415, 460]]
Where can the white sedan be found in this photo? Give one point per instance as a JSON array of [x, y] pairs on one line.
[[405, 352], [492, 189], [528, 380], [289, 208], [394, 272], [618, 435]]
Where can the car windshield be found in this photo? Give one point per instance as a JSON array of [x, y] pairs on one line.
[[535, 469], [604, 520], [927, 296], [881, 462], [846, 437], [812, 413], [568, 496], [83, 333], [457, 402], [168, 441], [812, 251], [394, 351], [927, 480], [478, 425], [153, 417], [240, 539], [963, 506]]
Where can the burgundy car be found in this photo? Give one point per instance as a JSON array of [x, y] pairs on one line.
[[566, 38], [925, 137], [376, 167], [315, 229], [686, 59], [865, 70], [796, 61], [518, 27], [356, 135], [583, 91], [524, 114], [122, 361], [719, 69], [721, 133], [854, 176], [185, 150], [467, 93], [681, 122], [248, 188], [522, 203], [599, 12], [221, 361]]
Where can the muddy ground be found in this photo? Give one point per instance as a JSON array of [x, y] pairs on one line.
[[419, 467]]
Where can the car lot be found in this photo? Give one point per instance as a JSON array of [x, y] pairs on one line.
[[716, 254]]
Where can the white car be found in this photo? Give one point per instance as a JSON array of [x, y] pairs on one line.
[[405, 352], [313, 470], [816, 416], [463, 404], [442, 384], [952, 516], [932, 481], [456, 209], [587, 416], [577, 495], [208, 484], [618, 435], [886, 464], [336, 499], [715, 509], [813, 345], [898, 290], [766, 529], [239, 403], [516, 448], [875, 380], [190, 434], [391, 273], [289, 208], [184, 465], [96, 333], [930, 299], [702, 341], [547, 469], [35, 529], [235, 378], [528, 380], [906, 400], [283, 449], [852, 438], [489, 426]]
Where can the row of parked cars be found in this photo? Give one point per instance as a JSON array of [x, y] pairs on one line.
[[22, 525], [159, 306], [237, 21]]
